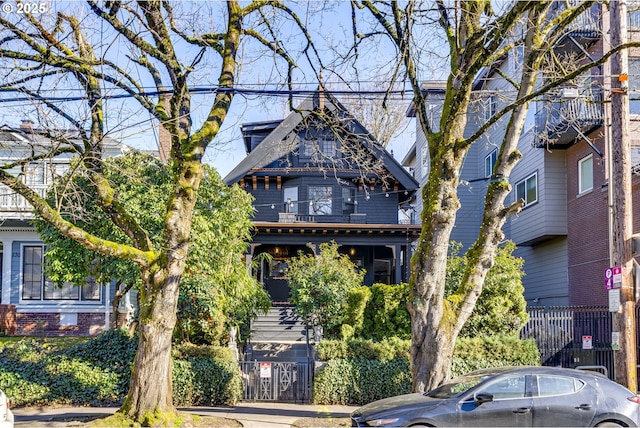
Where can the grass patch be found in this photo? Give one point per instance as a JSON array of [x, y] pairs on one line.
[[181, 419], [327, 422]]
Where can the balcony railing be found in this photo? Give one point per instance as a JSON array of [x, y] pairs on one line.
[[14, 206], [586, 24], [304, 218], [567, 113]]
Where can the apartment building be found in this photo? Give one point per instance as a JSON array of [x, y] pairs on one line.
[[562, 232]]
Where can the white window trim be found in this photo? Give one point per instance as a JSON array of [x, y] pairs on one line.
[[487, 174], [524, 180], [491, 107], [582, 191]]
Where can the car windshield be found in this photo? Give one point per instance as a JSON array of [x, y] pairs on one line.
[[456, 387]]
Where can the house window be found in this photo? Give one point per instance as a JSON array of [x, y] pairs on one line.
[[527, 189], [490, 107], [634, 85], [319, 148], [34, 174], [489, 162], [518, 57], [348, 201], [290, 199], [633, 13], [320, 200], [585, 174], [36, 287], [424, 160]]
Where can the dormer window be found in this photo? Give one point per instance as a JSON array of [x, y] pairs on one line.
[[319, 148]]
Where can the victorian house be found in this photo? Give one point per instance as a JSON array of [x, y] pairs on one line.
[[319, 176]]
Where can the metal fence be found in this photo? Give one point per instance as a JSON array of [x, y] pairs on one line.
[[572, 336], [277, 381]]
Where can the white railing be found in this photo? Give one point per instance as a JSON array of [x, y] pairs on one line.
[[13, 205]]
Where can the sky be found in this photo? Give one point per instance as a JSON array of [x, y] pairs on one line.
[[328, 23]]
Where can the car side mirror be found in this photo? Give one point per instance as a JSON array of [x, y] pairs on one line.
[[482, 397]]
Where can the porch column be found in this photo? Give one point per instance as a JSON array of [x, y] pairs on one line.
[[398, 264], [6, 271]]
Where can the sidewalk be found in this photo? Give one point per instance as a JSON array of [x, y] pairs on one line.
[[249, 414]]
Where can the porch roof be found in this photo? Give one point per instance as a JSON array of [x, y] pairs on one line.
[[354, 229]]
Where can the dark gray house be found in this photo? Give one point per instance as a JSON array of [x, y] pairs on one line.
[[319, 176]]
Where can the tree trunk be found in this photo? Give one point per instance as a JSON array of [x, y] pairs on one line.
[[431, 360], [151, 388]]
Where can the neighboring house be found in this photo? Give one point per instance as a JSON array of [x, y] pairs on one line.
[[562, 233], [318, 176], [29, 303]]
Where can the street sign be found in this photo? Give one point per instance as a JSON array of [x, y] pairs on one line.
[[587, 342], [265, 370], [613, 277], [614, 300]]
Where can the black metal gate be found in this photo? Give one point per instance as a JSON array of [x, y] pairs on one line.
[[277, 381], [559, 333]]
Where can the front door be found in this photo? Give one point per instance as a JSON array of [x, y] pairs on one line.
[[276, 283]]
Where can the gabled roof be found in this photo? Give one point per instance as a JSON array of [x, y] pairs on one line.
[[38, 140], [283, 140]]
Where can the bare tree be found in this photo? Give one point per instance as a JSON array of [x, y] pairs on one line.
[[95, 69], [475, 38]]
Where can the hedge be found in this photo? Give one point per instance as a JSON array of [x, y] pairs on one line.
[[97, 373], [348, 378]]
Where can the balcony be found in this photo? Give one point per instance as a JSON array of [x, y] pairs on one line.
[[582, 33], [567, 114], [14, 206], [304, 218]]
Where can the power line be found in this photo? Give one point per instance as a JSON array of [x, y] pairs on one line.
[[212, 90]]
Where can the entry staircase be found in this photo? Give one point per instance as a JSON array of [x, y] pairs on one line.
[[280, 335]]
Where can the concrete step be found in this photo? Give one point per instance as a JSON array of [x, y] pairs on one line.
[[279, 325]]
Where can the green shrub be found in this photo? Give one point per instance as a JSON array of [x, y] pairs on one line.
[[205, 376], [384, 350], [359, 371], [97, 372], [493, 351], [359, 381], [386, 313], [356, 304], [206, 382], [185, 351]]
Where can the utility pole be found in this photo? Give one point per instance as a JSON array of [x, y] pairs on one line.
[[624, 322]]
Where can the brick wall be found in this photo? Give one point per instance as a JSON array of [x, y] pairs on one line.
[[8, 319], [48, 324], [588, 229]]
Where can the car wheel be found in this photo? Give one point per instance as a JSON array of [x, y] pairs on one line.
[[609, 424]]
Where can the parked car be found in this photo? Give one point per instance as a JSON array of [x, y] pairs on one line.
[[6, 417], [511, 396]]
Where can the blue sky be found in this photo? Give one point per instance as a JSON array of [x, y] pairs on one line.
[[329, 25]]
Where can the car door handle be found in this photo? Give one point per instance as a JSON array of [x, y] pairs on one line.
[[522, 410], [584, 407]]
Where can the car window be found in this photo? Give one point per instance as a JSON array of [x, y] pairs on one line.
[[557, 385], [510, 387], [456, 387]]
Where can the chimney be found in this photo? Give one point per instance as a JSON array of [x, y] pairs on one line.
[[321, 93], [164, 143], [26, 125]]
